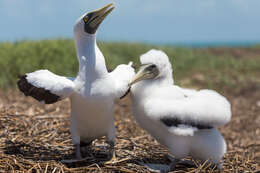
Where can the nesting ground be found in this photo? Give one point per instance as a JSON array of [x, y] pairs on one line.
[[36, 137]]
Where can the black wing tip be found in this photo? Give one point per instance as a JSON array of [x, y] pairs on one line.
[[170, 122], [23, 84], [39, 94]]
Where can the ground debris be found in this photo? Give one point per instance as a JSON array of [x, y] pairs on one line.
[[35, 138]]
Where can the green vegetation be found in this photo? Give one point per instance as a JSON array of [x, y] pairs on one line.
[[215, 67]]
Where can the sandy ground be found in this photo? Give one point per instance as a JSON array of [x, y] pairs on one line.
[[35, 138]]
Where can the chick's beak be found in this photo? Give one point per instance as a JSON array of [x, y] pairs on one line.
[[99, 15], [140, 75]]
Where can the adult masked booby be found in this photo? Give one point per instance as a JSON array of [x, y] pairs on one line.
[[91, 93], [181, 119]]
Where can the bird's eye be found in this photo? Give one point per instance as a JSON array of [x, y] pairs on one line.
[[85, 19], [153, 66]]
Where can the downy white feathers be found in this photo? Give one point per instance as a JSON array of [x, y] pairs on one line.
[[183, 120]]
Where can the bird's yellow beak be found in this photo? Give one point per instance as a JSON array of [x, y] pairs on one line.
[[142, 74], [94, 19], [101, 14], [146, 71]]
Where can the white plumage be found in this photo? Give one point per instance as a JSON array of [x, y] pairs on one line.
[[58, 85], [183, 120], [92, 92]]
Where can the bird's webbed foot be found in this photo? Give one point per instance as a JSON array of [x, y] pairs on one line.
[[85, 147], [78, 154], [112, 156], [173, 164]]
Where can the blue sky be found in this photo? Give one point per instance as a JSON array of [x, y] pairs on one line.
[[154, 21]]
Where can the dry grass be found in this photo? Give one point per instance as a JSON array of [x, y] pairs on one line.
[[35, 138]]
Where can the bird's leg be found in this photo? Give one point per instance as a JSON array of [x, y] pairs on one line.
[[174, 162], [78, 152], [112, 146], [87, 145], [78, 155], [111, 142], [112, 156]]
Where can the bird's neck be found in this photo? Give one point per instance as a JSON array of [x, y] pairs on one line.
[[91, 60]]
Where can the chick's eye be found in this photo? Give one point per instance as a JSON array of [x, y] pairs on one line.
[[153, 66]]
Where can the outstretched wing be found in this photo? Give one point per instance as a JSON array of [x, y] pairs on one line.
[[45, 86], [196, 110], [122, 75]]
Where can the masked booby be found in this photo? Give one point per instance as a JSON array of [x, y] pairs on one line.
[[91, 92], [183, 120]]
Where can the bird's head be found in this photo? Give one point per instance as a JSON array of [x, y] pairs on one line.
[[154, 64], [89, 22]]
